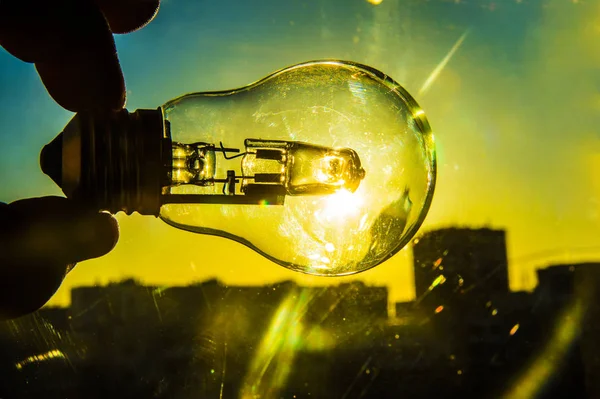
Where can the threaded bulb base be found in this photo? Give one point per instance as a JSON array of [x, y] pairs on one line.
[[112, 161]]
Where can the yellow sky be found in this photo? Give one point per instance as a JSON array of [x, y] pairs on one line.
[[540, 131]]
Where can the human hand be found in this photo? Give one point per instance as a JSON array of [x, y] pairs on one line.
[[70, 43]]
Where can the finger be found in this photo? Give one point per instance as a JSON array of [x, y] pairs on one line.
[[125, 16], [25, 31], [84, 80], [72, 47], [55, 229]]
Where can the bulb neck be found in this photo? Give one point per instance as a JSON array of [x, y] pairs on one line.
[[116, 161]]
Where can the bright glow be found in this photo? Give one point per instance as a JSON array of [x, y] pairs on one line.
[[439, 309], [340, 205], [375, 2], [330, 170]]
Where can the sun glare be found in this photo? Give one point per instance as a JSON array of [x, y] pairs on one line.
[[341, 205]]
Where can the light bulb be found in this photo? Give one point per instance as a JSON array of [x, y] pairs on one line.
[[326, 167]]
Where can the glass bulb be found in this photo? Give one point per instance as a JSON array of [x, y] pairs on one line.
[[327, 167]]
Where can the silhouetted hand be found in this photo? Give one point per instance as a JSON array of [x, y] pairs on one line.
[[70, 43]]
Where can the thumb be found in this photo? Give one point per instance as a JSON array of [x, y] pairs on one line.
[[55, 228], [40, 239]]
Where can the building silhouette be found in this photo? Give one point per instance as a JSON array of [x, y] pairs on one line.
[[466, 334], [469, 259], [461, 280], [567, 305]]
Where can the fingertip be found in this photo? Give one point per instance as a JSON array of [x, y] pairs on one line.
[[94, 235], [130, 15], [107, 232]]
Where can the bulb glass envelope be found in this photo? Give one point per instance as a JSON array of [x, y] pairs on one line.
[[360, 185]]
